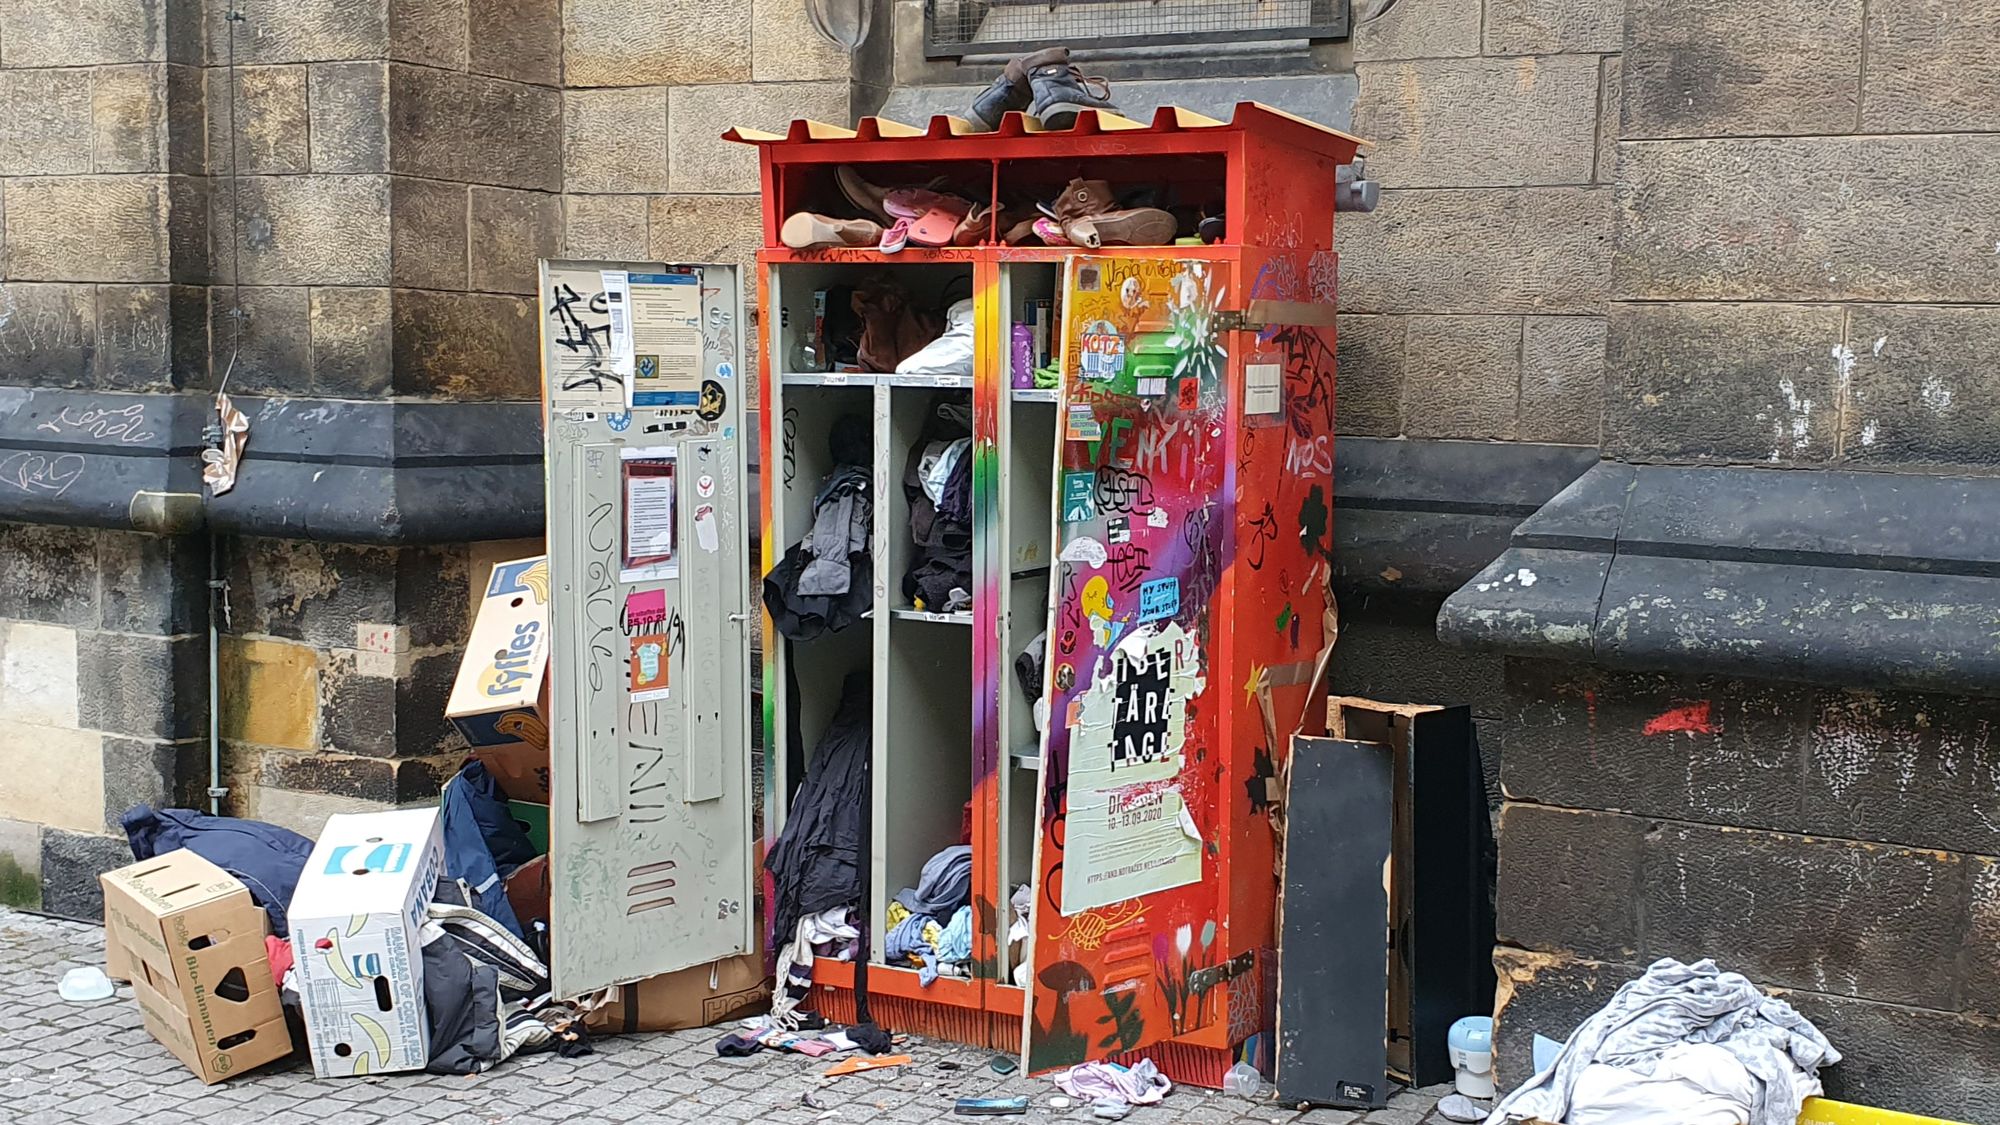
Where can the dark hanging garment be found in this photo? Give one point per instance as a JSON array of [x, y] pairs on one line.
[[816, 863], [941, 510], [825, 582]]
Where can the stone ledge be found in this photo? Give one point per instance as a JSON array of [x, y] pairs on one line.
[[363, 472], [1415, 516], [1833, 576]]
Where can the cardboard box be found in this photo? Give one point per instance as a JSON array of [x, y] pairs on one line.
[[192, 943], [702, 996], [521, 770], [499, 697], [355, 918]]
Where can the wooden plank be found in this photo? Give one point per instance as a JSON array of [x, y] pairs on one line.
[[1333, 959]]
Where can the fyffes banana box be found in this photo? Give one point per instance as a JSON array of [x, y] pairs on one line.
[[355, 920], [498, 697], [191, 941]]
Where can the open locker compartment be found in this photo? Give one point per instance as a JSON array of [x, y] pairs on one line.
[[650, 780]]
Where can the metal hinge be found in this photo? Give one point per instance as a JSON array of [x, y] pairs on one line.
[[1264, 314]]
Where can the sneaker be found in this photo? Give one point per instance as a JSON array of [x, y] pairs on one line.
[[1061, 91], [1011, 92], [807, 231]]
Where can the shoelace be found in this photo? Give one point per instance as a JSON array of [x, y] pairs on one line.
[[1097, 86]]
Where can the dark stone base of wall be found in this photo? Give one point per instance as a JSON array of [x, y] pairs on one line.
[[1915, 1060]]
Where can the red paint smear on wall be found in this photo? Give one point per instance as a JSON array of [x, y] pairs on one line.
[[1694, 718]]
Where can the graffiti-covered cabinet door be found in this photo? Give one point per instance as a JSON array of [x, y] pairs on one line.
[[649, 857], [1127, 902]]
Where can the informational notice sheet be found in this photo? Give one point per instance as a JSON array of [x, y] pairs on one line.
[[649, 514], [1130, 832], [666, 338]]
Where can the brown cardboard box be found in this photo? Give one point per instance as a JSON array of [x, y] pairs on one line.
[[519, 768], [677, 1001], [194, 944]]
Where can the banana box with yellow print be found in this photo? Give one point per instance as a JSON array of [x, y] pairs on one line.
[[497, 698], [355, 920], [193, 943]]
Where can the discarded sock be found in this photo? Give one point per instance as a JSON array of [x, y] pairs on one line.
[[737, 1046], [870, 1038]]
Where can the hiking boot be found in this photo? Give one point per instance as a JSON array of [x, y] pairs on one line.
[[1010, 93], [1061, 91], [807, 231]]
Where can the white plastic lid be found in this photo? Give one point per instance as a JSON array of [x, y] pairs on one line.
[[85, 986]]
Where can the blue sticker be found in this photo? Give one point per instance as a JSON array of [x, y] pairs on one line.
[[729, 431], [726, 369], [1159, 598], [1079, 497], [619, 421]]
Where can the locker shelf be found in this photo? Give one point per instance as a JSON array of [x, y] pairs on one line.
[[829, 378], [961, 382], [933, 618]]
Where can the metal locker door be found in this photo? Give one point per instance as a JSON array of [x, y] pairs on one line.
[[650, 856]]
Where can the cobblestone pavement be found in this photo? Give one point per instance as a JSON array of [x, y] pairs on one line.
[[62, 1062]]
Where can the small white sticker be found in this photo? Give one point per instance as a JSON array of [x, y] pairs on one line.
[[705, 535], [1156, 518], [704, 486], [1263, 385], [1084, 549]]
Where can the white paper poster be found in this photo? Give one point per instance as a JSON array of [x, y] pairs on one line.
[[1130, 832], [666, 339], [650, 486], [1263, 386], [576, 314]]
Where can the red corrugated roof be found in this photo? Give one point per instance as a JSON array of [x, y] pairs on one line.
[[1168, 119]]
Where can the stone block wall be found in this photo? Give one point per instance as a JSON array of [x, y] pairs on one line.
[[1473, 301], [399, 165], [1805, 218], [651, 87], [102, 700]]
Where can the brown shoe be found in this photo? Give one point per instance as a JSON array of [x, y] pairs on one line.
[[807, 231], [1139, 226], [864, 195]]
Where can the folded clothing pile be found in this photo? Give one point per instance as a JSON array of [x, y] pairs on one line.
[[915, 935], [1681, 1045]]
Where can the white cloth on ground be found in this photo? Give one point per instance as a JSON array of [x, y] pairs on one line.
[[1671, 1004], [1694, 1084], [1139, 1084]]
